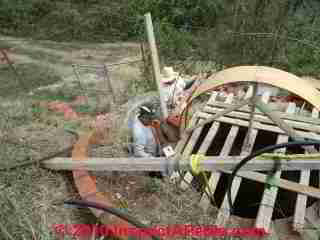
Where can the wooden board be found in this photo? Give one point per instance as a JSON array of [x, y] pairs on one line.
[[286, 116], [212, 164], [266, 207], [215, 176], [260, 126], [205, 145], [179, 148], [301, 203], [264, 119], [282, 183], [224, 212]]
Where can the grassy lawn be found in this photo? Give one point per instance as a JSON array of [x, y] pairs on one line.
[[27, 76]]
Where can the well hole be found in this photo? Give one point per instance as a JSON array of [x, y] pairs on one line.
[[250, 192]]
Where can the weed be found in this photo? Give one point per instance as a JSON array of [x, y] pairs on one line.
[[152, 185], [31, 76], [84, 109], [38, 54], [64, 94]]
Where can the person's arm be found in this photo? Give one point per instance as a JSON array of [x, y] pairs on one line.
[[139, 140], [161, 139]]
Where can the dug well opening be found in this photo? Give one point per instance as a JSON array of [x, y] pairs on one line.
[[250, 193]]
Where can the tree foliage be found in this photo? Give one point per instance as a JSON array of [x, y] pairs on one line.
[[281, 33]]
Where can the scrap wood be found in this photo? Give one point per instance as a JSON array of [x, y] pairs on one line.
[[283, 115], [218, 115], [264, 119], [282, 124], [268, 201], [260, 126], [264, 162], [265, 75], [68, 163], [282, 183]]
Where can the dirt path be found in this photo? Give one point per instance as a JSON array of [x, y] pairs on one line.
[[34, 131], [61, 56]]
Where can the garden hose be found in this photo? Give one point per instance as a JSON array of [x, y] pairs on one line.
[[115, 211], [259, 152]]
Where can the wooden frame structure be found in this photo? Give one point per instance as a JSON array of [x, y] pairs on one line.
[[255, 117], [287, 125], [307, 127]]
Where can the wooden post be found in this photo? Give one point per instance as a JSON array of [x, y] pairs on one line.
[[155, 61], [253, 101]]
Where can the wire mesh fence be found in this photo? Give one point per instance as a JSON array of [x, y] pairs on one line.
[[37, 74], [34, 82]]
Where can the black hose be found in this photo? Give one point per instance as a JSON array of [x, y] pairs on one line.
[[115, 211], [259, 152]]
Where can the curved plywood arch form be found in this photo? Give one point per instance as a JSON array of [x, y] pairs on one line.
[[86, 185], [261, 74]]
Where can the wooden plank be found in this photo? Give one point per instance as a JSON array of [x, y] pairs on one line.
[[264, 119], [212, 164], [186, 135], [281, 183], [311, 230], [251, 117], [301, 203], [224, 212], [203, 148], [155, 61], [313, 214], [179, 148], [218, 115], [269, 196], [187, 178], [277, 120], [286, 116], [260, 126], [215, 175]]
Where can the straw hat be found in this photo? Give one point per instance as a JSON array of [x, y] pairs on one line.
[[168, 75]]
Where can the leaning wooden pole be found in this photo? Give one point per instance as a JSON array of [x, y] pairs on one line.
[[155, 61]]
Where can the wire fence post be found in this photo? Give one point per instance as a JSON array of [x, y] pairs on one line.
[[82, 89], [108, 81], [155, 61]]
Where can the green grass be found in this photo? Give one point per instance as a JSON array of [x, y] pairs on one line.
[[84, 109], [63, 46], [29, 76], [63, 94], [26, 194], [38, 55]]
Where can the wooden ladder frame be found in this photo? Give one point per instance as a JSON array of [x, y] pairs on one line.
[[259, 122]]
